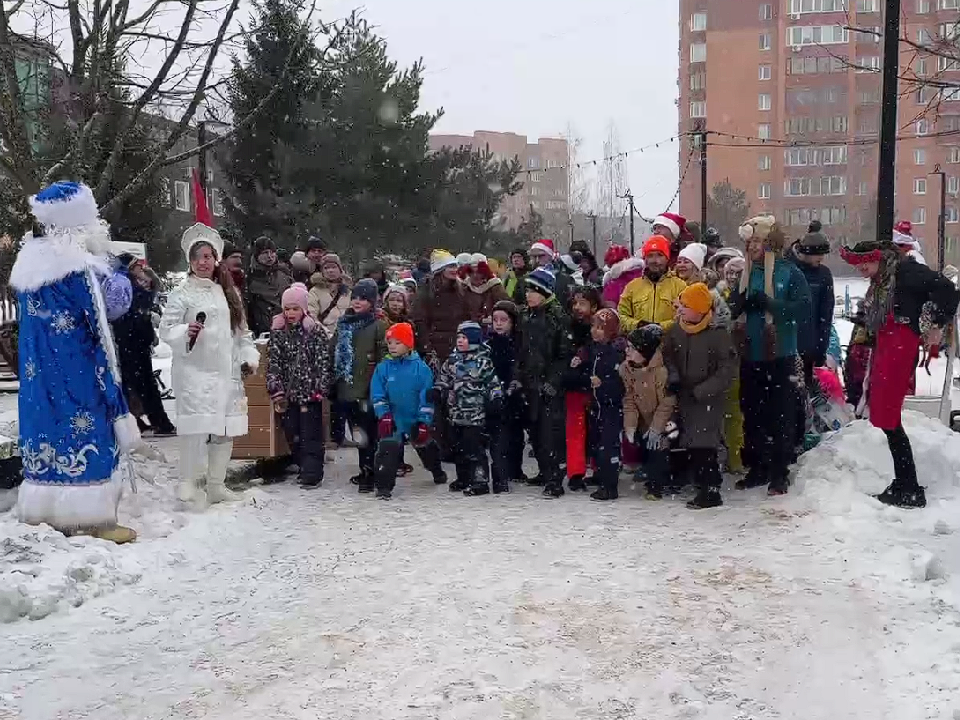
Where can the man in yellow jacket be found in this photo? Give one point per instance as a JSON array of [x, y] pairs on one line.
[[651, 298]]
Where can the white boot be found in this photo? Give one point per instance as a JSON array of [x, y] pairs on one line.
[[192, 464], [217, 472]]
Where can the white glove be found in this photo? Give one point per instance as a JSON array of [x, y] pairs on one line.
[[629, 434]]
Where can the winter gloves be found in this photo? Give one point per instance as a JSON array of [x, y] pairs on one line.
[[422, 435], [653, 439], [386, 427]]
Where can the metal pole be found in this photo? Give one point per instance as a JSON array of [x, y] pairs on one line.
[[571, 231], [593, 217], [941, 219], [630, 199], [202, 157], [703, 182], [888, 122]]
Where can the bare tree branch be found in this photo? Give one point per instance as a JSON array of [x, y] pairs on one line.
[[13, 130]]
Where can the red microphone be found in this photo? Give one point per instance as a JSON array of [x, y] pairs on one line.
[[201, 318]]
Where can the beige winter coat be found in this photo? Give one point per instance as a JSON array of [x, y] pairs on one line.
[[322, 295], [646, 404]]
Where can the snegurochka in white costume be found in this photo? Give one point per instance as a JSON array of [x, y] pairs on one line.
[[204, 324], [74, 421]]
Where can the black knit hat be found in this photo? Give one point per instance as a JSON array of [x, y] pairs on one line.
[[815, 242], [230, 249], [315, 243], [262, 244], [510, 308], [646, 340]]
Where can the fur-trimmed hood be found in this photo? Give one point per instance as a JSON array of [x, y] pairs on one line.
[[619, 268], [483, 287]]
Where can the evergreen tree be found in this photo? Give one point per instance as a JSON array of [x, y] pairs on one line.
[[727, 208]]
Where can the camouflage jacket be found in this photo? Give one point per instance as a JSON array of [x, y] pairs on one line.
[[468, 382]]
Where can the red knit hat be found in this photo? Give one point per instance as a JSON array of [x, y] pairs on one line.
[[401, 332], [614, 254], [658, 243], [608, 321]]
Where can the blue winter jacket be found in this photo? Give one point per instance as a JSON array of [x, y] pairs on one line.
[[790, 303], [399, 388]]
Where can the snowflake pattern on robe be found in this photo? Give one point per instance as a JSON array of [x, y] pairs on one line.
[[62, 322], [81, 422]]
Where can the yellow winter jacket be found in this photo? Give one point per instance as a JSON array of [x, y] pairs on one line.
[[648, 302]]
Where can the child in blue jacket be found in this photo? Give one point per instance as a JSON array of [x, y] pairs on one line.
[[398, 391]]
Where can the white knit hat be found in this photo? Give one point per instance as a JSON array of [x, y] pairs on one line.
[[463, 259], [695, 253]]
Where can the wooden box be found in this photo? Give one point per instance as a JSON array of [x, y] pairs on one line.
[[265, 438]]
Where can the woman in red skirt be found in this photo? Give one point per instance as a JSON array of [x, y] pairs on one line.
[[901, 291]]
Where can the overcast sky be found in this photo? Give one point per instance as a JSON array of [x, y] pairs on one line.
[[535, 66]]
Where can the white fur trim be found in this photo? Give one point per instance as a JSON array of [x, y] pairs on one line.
[[128, 435], [540, 247], [44, 261], [900, 239], [619, 268], [667, 223], [745, 231], [198, 232], [484, 286], [70, 507], [76, 211]]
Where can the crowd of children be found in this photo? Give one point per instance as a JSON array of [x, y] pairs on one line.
[[654, 372]]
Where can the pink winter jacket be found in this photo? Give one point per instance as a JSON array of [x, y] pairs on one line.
[[618, 277]]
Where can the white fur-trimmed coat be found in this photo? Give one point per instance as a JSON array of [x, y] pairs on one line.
[[207, 380]]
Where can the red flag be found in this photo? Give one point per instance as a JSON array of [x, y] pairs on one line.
[[200, 202]]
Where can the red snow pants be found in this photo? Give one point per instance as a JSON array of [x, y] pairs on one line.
[[578, 408], [892, 373]]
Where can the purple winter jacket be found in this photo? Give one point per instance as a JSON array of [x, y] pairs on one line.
[[616, 279]]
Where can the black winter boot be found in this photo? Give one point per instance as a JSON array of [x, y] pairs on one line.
[[500, 487], [604, 493], [900, 496], [309, 482], [458, 485], [440, 478], [477, 489], [577, 484], [708, 498], [536, 481], [778, 486], [366, 483], [756, 477], [553, 490], [383, 494]]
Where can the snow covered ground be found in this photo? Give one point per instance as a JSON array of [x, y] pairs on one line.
[[317, 604]]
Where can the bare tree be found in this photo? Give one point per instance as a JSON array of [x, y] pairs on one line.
[[578, 191], [118, 65]]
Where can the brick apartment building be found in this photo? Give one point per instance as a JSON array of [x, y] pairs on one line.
[[544, 177], [808, 71]]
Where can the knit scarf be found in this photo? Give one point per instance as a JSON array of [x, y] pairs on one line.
[[347, 326], [694, 328], [878, 300], [769, 261]]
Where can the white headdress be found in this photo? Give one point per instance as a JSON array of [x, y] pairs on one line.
[[198, 232]]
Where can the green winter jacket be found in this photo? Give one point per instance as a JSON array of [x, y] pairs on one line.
[[369, 348], [544, 350]]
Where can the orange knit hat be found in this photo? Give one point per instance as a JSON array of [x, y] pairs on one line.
[[401, 332], [657, 243], [698, 298]]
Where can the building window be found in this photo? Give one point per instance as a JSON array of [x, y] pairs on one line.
[[533, 163], [766, 72], [766, 12], [535, 177], [953, 155], [951, 214], [920, 186], [950, 4], [535, 191], [698, 108], [920, 157], [868, 63], [796, 187], [698, 81], [948, 64], [921, 70], [817, 35], [868, 6], [215, 201], [868, 97], [923, 7], [863, 188], [950, 31], [698, 52], [923, 126], [763, 131], [181, 195], [763, 192], [924, 37], [919, 216], [763, 162], [949, 94], [953, 185], [799, 7], [698, 22], [764, 41], [763, 101]]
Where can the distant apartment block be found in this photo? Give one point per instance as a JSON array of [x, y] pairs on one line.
[[808, 72], [544, 176]]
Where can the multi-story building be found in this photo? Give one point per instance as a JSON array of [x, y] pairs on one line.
[[789, 93], [544, 176]]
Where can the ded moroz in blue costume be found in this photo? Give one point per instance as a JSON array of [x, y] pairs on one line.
[[74, 421]]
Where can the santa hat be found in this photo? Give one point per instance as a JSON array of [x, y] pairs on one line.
[[695, 253], [614, 254], [904, 226], [440, 259], [65, 205], [676, 224], [200, 233], [544, 246]]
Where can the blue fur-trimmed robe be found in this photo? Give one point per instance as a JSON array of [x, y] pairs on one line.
[[74, 419]]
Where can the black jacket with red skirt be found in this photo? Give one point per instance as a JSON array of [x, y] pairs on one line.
[[917, 285]]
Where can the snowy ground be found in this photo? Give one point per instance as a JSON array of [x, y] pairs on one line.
[[310, 604]]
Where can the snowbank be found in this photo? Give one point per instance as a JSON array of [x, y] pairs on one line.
[[908, 559]]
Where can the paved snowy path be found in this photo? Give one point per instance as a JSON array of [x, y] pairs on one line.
[[326, 604]]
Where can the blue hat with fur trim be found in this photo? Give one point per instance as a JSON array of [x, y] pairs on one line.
[[64, 205], [472, 332]]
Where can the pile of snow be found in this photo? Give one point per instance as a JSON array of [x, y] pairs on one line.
[[908, 559]]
